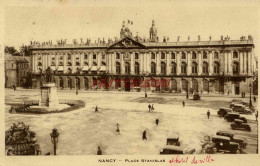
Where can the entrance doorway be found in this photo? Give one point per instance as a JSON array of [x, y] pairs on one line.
[[236, 85], [127, 84]]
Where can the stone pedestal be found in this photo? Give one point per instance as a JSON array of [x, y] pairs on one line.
[[49, 97]]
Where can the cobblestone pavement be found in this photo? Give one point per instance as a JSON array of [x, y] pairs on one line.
[[82, 131]]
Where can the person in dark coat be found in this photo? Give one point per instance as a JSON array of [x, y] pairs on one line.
[[99, 152], [144, 135], [208, 113], [183, 103], [157, 121], [117, 128], [14, 88], [96, 109], [149, 107], [152, 108]]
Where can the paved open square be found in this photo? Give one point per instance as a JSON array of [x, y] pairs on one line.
[[83, 130]]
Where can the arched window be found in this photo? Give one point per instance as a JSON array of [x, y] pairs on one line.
[[85, 63], [172, 55], [195, 85], [216, 67], [163, 67], [205, 68], [194, 55], [194, 68], [183, 68], [136, 56], [153, 55], [162, 55], [69, 71], [39, 64], [183, 55], [118, 68], [77, 64], [103, 64], [235, 55], [61, 64], [215, 55], [127, 68], [153, 68], [94, 64], [235, 68], [69, 64], [53, 63], [205, 56], [137, 68], [174, 67], [184, 85]]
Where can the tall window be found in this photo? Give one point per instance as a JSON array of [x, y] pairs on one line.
[[205, 55], [69, 64], [215, 55], [61, 64], [137, 68], [103, 56], [117, 56], [86, 56], [69, 56], [235, 68], [216, 67], [183, 68], [172, 55], [118, 68], [39, 57], [61, 57], [183, 55], [136, 56], [194, 68], [39, 64], [235, 55], [205, 68], [153, 68], [162, 55], [94, 56], [163, 67], [173, 69], [194, 55], [127, 68], [153, 55]]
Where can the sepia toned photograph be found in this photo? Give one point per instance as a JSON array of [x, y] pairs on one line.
[[131, 80]]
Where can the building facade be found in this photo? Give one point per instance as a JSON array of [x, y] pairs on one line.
[[137, 64]]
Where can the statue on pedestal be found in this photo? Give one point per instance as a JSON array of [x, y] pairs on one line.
[[49, 75]]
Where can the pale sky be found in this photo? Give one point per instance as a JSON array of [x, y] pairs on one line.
[[172, 19]]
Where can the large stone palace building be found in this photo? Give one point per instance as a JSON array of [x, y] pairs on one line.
[[126, 64]]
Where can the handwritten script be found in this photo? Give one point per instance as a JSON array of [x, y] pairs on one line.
[[192, 160]]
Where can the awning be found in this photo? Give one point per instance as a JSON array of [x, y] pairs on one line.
[[85, 68], [103, 68], [94, 68], [60, 68]]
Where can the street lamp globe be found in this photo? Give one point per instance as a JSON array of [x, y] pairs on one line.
[[54, 136]]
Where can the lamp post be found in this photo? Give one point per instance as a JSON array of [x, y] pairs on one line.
[[250, 100], [54, 139]]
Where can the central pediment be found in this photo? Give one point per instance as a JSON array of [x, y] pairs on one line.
[[126, 42]]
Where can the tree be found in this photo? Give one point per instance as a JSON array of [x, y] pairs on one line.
[[10, 50]]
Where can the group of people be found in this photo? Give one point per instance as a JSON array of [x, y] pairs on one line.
[[150, 108]]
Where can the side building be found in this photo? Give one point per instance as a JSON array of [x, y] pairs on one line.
[[223, 66]]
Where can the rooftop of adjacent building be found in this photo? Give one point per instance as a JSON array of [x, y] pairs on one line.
[[18, 59]]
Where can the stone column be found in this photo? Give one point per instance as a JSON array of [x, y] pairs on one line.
[[199, 63], [250, 62], [141, 57], [65, 58], [189, 56], [73, 63], [81, 59], [168, 63], [148, 62], [230, 55], [82, 85], [122, 64], [241, 62], [178, 63], [244, 62], [158, 65], [211, 54], [132, 63]]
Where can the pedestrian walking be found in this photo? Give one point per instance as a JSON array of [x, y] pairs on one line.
[[149, 107], [99, 152], [145, 95], [183, 103], [208, 113], [152, 108], [96, 109], [14, 88], [117, 128], [157, 122], [144, 135], [254, 99]]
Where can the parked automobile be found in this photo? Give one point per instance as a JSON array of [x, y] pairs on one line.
[[229, 134], [196, 96], [224, 144], [223, 111], [230, 117], [173, 140], [238, 124], [172, 149], [207, 146], [236, 100]]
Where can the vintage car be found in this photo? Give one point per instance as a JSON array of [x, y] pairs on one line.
[[196, 96], [207, 146], [230, 117], [238, 124], [223, 144], [229, 134], [223, 111], [236, 100], [173, 140], [172, 149]]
